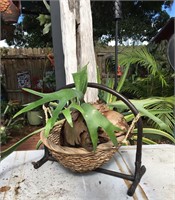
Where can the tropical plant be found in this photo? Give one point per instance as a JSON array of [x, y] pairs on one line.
[[164, 109], [157, 111], [146, 74], [69, 103], [140, 21], [45, 19], [8, 124]]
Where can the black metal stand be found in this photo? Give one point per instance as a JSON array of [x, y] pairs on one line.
[[118, 16], [139, 169], [47, 157]]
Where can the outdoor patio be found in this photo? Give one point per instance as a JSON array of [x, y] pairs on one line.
[[84, 103]]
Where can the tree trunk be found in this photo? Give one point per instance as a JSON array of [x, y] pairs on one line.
[[76, 24]]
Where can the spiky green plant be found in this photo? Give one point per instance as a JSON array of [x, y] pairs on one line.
[[156, 78], [134, 61], [158, 111], [65, 101], [157, 81], [164, 111]]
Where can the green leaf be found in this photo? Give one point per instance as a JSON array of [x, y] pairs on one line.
[[77, 107], [39, 143], [156, 132], [130, 117], [98, 121], [123, 78], [46, 28], [154, 118], [40, 94], [98, 74], [81, 79], [144, 140], [63, 95], [55, 114], [107, 97], [41, 19], [159, 111], [142, 57], [67, 114], [8, 151], [94, 119], [140, 105]]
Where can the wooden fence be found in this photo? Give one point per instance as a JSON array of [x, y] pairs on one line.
[[24, 68]]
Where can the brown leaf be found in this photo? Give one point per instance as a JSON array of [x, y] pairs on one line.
[[71, 135], [116, 119]]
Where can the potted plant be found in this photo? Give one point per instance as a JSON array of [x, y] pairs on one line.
[[35, 117], [89, 132]]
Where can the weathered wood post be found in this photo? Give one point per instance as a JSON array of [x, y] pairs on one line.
[[77, 39]]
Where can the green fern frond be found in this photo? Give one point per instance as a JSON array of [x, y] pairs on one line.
[[144, 58]]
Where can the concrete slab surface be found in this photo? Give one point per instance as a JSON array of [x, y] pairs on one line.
[[20, 181]]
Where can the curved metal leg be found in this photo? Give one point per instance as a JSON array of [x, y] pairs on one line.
[[138, 176], [47, 156]]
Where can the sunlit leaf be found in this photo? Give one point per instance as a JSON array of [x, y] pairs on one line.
[[67, 114], [80, 79], [141, 107], [144, 140], [156, 132], [61, 96], [41, 19], [46, 28]]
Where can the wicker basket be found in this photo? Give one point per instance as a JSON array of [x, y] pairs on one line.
[[77, 159]]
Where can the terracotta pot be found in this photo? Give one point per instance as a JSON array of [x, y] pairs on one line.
[[10, 11]]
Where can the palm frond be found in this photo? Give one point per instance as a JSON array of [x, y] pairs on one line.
[[167, 117], [143, 58], [147, 108]]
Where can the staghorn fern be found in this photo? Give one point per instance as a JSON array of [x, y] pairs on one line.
[[61, 99]]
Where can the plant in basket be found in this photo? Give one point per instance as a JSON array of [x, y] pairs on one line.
[[80, 135]]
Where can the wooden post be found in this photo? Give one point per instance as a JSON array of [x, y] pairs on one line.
[[77, 40], [87, 53], [57, 44]]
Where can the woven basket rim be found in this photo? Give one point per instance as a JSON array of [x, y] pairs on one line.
[[76, 151]]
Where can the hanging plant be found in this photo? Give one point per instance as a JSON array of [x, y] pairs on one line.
[[10, 10], [74, 126]]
